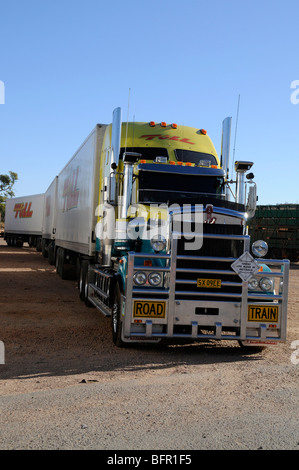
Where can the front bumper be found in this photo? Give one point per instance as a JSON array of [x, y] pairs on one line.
[[224, 314]]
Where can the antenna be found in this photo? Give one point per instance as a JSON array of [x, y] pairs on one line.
[[127, 118], [233, 159], [133, 132]]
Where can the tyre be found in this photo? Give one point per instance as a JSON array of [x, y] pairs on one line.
[[82, 279], [58, 261], [116, 323], [38, 244], [51, 253], [83, 283], [60, 264], [44, 248]]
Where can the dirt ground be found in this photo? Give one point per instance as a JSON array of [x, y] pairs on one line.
[[54, 342]]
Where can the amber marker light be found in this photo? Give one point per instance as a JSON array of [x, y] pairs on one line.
[[174, 126], [152, 123], [163, 124], [203, 131]]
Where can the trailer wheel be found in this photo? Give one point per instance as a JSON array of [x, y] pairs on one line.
[[58, 260], [51, 253], [116, 323], [82, 277], [60, 264], [44, 248]]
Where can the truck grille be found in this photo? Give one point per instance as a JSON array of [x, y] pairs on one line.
[[213, 262]]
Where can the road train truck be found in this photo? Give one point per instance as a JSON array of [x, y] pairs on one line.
[[24, 220], [150, 223]]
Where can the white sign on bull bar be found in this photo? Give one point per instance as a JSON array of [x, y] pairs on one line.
[[245, 266]]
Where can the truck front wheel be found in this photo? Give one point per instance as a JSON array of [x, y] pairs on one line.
[[83, 279]]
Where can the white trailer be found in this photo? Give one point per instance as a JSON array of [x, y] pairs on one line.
[[77, 199], [24, 220], [49, 221]]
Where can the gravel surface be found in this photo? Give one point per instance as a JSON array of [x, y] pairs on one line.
[[64, 385]]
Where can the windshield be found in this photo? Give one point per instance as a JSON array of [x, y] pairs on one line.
[[160, 188], [195, 157]]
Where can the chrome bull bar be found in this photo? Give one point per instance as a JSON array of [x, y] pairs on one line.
[[231, 323]]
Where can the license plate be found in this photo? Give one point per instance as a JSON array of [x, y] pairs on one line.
[[211, 283], [263, 313], [149, 309]]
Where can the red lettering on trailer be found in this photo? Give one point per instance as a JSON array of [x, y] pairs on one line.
[[71, 191], [23, 210], [166, 137]]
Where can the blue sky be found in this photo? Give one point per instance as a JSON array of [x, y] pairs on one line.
[[67, 64]]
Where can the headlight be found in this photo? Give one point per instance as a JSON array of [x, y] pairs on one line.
[[139, 278], [266, 284], [154, 279], [259, 248], [253, 284], [158, 242]]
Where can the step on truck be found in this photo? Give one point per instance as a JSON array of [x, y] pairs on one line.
[[24, 220], [155, 230]]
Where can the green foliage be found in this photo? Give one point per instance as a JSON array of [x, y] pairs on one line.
[[6, 189]]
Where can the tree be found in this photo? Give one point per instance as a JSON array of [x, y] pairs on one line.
[[6, 190]]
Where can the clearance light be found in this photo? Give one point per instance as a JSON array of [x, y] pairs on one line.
[[172, 163], [147, 262], [203, 131], [152, 123], [163, 124], [179, 163], [214, 166], [188, 164], [174, 126], [142, 161]]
